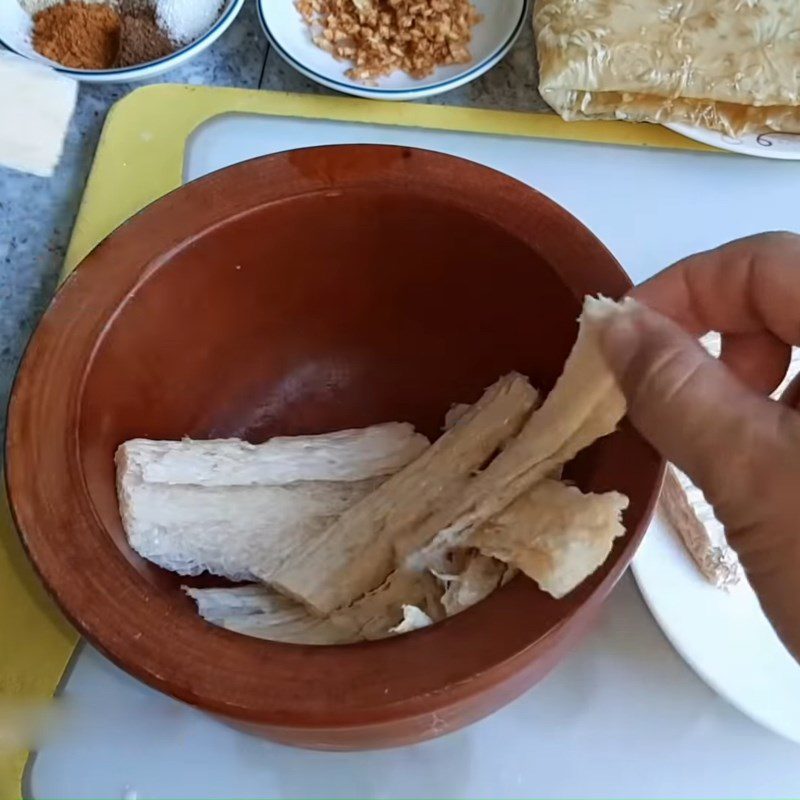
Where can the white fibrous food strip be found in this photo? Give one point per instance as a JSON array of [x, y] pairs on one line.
[[238, 532], [350, 455], [358, 551], [178, 511], [258, 611], [585, 405], [398, 606], [686, 509]]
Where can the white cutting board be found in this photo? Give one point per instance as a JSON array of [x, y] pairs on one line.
[[623, 716]]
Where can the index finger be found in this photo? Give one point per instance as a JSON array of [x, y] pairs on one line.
[[748, 291], [748, 286]]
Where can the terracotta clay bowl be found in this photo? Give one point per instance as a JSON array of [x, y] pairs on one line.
[[306, 292]]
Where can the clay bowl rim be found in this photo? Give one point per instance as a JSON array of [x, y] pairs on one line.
[[87, 304]]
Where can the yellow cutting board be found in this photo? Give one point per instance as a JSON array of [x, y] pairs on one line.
[[139, 159]]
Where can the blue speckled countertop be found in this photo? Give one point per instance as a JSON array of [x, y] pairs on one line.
[[36, 214]]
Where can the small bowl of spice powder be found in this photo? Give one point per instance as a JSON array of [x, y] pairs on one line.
[[113, 40]]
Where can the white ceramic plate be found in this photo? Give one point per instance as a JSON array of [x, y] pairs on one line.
[[15, 31], [492, 39], [723, 636], [784, 146]]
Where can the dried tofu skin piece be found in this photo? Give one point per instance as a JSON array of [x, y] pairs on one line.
[[555, 534], [238, 532], [240, 510], [731, 119], [726, 64], [357, 552], [349, 455], [584, 405], [258, 611], [398, 605], [481, 576], [378, 613]]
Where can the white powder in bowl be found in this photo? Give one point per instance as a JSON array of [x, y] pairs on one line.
[[186, 20]]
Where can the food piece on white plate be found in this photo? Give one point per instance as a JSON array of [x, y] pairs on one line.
[[357, 552], [686, 510], [244, 531], [585, 405], [37, 105], [685, 507], [350, 455], [258, 611]]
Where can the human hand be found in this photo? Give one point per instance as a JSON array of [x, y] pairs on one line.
[[713, 418]]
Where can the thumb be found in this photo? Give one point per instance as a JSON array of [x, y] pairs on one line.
[[691, 408]]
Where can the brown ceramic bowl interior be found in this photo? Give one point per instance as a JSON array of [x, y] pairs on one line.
[[300, 293]]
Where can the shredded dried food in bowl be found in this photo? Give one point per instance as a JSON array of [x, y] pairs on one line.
[[376, 531], [381, 36]]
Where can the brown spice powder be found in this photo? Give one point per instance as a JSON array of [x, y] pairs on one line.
[[141, 39], [78, 35]]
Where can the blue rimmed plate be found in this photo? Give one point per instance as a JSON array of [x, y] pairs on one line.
[[493, 37]]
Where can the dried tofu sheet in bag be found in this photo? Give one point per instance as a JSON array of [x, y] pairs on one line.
[[730, 65]]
